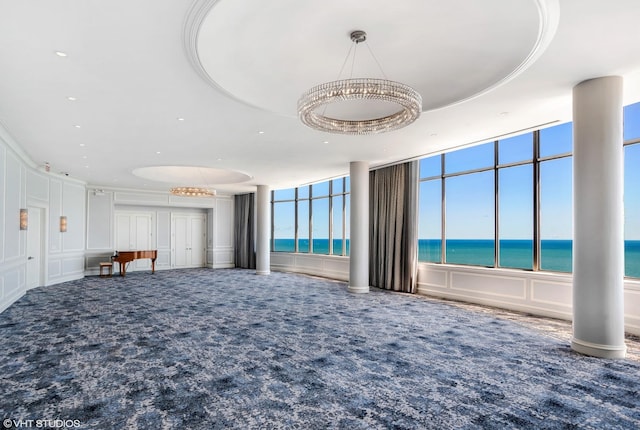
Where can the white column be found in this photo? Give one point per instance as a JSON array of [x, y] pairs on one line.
[[359, 228], [263, 230], [598, 237]]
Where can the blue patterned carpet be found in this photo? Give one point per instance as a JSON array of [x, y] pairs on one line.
[[213, 349]]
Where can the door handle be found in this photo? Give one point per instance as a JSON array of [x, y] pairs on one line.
[[30, 258]]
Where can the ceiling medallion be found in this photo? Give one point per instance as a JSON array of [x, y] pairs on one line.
[[192, 192], [382, 90]]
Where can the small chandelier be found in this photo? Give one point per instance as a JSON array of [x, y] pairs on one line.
[[192, 192], [320, 96]]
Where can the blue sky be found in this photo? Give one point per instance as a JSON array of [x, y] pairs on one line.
[[470, 197]]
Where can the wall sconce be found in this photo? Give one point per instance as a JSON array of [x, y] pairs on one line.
[[63, 224], [24, 219]]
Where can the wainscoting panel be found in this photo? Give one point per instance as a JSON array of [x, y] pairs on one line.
[[54, 269], [164, 259], [498, 286], [223, 259], [281, 260], [37, 186], [74, 208], [72, 265], [337, 265], [223, 235], [319, 265], [632, 310], [55, 211], [66, 267], [310, 263], [539, 293], [99, 220], [433, 277], [12, 285], [139, 198], [552, 293], [199, 202]]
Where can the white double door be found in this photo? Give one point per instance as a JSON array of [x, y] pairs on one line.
[[134, 232], [188, 240]]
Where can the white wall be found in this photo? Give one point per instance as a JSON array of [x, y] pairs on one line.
[[104, 204], [220, 234], [538, 293], [23, 185], [329, 266]]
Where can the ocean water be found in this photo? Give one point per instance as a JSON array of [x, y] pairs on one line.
[[556, 255], [320, 246]]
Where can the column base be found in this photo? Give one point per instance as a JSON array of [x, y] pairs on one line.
[[358, 290], [263, 272], [597, 350]]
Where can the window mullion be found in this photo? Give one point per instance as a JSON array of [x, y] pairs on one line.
[[536, 201]]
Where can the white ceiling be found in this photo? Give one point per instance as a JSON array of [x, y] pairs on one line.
[[215, 84]]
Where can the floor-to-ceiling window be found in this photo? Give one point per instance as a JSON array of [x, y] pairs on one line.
[[509, 203], [556, 198], [505, 203], [469, 225], [515, 202], [430, 209], [283, 208], [312, 218], [632, 190]]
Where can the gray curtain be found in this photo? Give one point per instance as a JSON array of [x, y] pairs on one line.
[[393, 227], [244, 231]]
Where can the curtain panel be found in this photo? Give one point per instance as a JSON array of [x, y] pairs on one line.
[[393, 227], [244, 231]]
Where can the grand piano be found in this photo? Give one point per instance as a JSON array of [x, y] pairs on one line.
[[125, 257]]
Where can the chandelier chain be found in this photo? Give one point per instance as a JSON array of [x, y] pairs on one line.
[[384, 75], [313, 104]]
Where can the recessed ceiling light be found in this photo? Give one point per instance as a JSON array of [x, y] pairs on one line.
[[82, 144], [180, 119], [76, 126], [157, 152], [86, 167], [325, 142], [84, 156], [261, 132], [72, 99], [61, 54]]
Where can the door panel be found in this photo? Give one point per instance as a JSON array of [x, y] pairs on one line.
[[142, 239], [133, 232], [197, 241], [123, 233], [35, 233], [180, 237], [188, 240]]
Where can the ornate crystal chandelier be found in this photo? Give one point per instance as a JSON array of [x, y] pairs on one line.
[[192, 192], [312, 105]]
